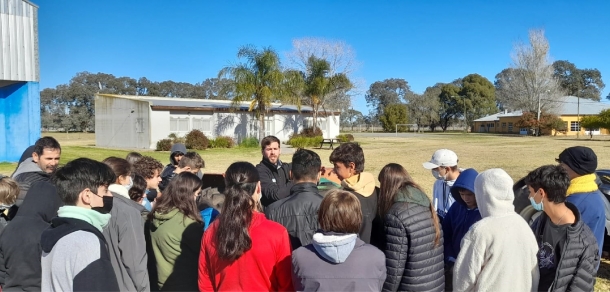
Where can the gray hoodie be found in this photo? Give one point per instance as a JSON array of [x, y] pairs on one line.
[[27, 165], [338, 262]]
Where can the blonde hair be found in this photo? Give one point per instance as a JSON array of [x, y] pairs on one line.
[[9, 190]]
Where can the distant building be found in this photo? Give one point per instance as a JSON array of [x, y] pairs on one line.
[[19, 76], [139, 122], [571, 108]]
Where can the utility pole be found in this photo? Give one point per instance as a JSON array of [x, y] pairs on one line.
[[578, 117], [538, 119]]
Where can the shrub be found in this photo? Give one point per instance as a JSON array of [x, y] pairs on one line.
[[345, 138], [309, 132], [222, 142], [175, 138], [298, 141], [164, 145], [250, 142], [196, 140]]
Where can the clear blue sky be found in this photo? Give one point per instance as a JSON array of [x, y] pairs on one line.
[[423, 42]]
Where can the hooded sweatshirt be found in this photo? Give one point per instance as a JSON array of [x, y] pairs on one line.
[[74, 253], [26, 174], [459, 218], [168, 172], [20, 243], [334, 262], [499, 252], [584, 193], [175, 241], [363, 186]]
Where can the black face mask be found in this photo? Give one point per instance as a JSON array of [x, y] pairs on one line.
[[105, 209]]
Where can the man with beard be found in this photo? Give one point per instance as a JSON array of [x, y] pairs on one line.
[[274, 174], [39, 167]]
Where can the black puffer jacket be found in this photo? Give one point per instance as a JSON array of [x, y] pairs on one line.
[[413, 261], [577, 267], [298, 213], [20, 268]]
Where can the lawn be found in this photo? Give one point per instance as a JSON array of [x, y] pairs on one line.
[[516, 155]]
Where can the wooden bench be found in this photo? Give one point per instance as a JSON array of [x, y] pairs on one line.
[[330, 142]]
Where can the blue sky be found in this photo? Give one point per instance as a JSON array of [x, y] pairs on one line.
[[423, 42]]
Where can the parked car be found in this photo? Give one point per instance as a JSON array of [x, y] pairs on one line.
[[524, 208]]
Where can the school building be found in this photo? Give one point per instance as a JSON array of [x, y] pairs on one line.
[[572, 108]]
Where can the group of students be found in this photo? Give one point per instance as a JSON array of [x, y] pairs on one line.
[[133, 225]]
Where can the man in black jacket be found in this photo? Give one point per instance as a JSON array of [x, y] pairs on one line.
[[299, 212], [42, 163], [568, 254], [274, 174]]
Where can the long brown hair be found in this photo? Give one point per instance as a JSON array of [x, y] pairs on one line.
[[179, 194], [232, 236], [392, 178]]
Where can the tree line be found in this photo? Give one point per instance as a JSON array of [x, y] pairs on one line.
[[318, 73], [531, 84]]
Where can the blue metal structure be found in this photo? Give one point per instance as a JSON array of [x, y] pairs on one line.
[[19, 76]]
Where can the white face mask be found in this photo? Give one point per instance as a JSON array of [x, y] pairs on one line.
[[128, 186], [437, 175]]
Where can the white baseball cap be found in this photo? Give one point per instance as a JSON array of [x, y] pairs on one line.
[[442, 157]]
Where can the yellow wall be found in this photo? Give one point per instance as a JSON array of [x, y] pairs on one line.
[[569, 132], [502, 126]]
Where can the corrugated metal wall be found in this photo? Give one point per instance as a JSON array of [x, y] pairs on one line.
[[122, 123], [19, 41]]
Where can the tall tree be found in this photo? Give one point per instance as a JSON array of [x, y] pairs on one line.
[[392, 115], [386, 92], [319, 84], [258, 81], [584, 83], [341, 58], [424, 108], [450, 108], [479, 98], [351, 118], [529, 84]]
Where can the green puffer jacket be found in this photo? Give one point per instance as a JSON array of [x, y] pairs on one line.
[[173, 243]]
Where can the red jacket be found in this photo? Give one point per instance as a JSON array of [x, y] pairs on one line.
[[265, 267]]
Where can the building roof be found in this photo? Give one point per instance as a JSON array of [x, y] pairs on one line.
[[496, 117], [171, 103], [570, 106]]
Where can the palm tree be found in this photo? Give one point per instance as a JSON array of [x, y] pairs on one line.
[[319, 87], [259, 81]]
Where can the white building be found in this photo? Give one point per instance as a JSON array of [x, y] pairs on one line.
[[126, 121]]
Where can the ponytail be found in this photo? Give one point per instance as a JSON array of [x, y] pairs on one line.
[[232, 237]]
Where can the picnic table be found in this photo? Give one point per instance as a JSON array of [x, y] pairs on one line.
[[331, 142]]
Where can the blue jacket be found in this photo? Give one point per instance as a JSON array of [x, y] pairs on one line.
[[591, 208], [459, 218]]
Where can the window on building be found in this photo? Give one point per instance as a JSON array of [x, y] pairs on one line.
[[179, 124], [139, 125], [268, 126], [565, 126], [510, 127], [322, 124], [503, 125], [575, 126], [490, 125], [202, 124]]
